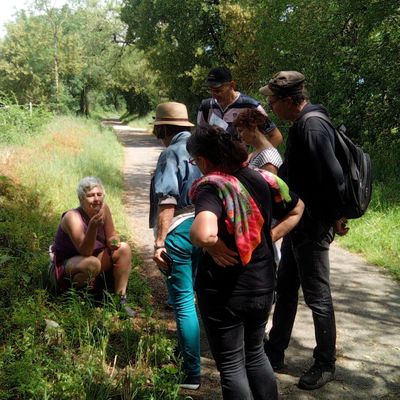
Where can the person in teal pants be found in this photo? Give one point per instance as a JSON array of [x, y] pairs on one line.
[[181, 294], [171, 216]]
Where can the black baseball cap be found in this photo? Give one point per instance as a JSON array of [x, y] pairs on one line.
[[218, 76]]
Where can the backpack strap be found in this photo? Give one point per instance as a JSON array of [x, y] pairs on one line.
[[338, 132], [318, 114]]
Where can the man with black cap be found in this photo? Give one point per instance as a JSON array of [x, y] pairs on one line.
[[226, 103], [312, 170]]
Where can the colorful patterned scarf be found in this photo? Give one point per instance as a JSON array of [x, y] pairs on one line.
[[244, 219]]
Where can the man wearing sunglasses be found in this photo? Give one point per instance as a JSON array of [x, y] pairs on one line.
[[226, 103]]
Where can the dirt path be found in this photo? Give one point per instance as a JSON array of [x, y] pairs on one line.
[[367, 304]]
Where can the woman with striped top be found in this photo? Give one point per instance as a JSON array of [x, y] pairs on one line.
[[250, 124]]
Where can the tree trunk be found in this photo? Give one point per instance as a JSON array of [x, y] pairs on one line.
[[56, 77], [84, 102]]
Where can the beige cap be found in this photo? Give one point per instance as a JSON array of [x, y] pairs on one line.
[[172, 113]]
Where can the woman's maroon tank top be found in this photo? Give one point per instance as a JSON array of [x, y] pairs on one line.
[[63, 246]]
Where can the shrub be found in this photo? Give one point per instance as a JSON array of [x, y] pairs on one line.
[[17, 124]]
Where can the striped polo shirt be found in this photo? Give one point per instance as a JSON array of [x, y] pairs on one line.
[[210, 106]]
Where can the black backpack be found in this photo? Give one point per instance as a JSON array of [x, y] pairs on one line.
[[357, 170]]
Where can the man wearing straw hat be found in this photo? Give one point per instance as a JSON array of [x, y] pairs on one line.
[[171, 215]]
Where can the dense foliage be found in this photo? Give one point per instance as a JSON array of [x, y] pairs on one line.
[[348, 51], [135, 52], [18, 123], [73, 59]]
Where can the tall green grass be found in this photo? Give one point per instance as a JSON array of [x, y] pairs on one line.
[[87, 352], [377, 234]]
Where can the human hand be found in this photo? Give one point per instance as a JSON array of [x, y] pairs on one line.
[[114, 242], [98, 218], [222, 256], [340, 227], [158, 259]]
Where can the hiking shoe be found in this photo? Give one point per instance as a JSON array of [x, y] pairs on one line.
[[128, 311], [277, 361], [191, 383], [316, 377]]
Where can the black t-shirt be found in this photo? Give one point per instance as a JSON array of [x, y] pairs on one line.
[[257, 277]]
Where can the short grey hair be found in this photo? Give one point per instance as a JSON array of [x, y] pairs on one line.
[[86, 184]]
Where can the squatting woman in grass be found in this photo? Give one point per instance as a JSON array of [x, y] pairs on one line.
[[234, 205], [87, 244]]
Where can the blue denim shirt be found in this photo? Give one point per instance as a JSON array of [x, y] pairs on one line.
[[173, 177]]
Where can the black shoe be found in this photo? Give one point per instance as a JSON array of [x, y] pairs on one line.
[[316, 377], [128, 311], [278, 365], [191, 383], [277, 361]]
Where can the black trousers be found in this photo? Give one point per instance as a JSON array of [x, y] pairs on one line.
[[235, 328], [305, 262]]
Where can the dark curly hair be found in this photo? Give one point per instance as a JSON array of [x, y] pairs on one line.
[[251, 118], [226, 151]]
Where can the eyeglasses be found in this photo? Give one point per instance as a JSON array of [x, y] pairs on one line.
[[192, 161]]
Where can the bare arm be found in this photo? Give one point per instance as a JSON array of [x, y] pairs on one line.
[[287, 223], [270, 168], [204, 233], [275, 137], [112, 237], [73, 226], [163, 223]]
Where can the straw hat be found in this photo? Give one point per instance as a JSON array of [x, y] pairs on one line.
[[172, 113]]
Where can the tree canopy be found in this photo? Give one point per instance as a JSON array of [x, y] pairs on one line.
[[144, 51], [349, 51], [71, 57]]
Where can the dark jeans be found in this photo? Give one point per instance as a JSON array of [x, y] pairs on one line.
[[305, 261], [235, 329]]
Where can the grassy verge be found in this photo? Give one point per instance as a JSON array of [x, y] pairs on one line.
[[376, 236], [68, 347]]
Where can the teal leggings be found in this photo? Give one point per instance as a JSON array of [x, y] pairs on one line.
[[181, 295]]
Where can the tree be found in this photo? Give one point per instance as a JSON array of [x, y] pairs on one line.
[[184, 39], [25, 72], [347, 51], [65, 56]]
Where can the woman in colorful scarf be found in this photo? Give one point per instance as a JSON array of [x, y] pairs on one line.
[[234, 205]]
